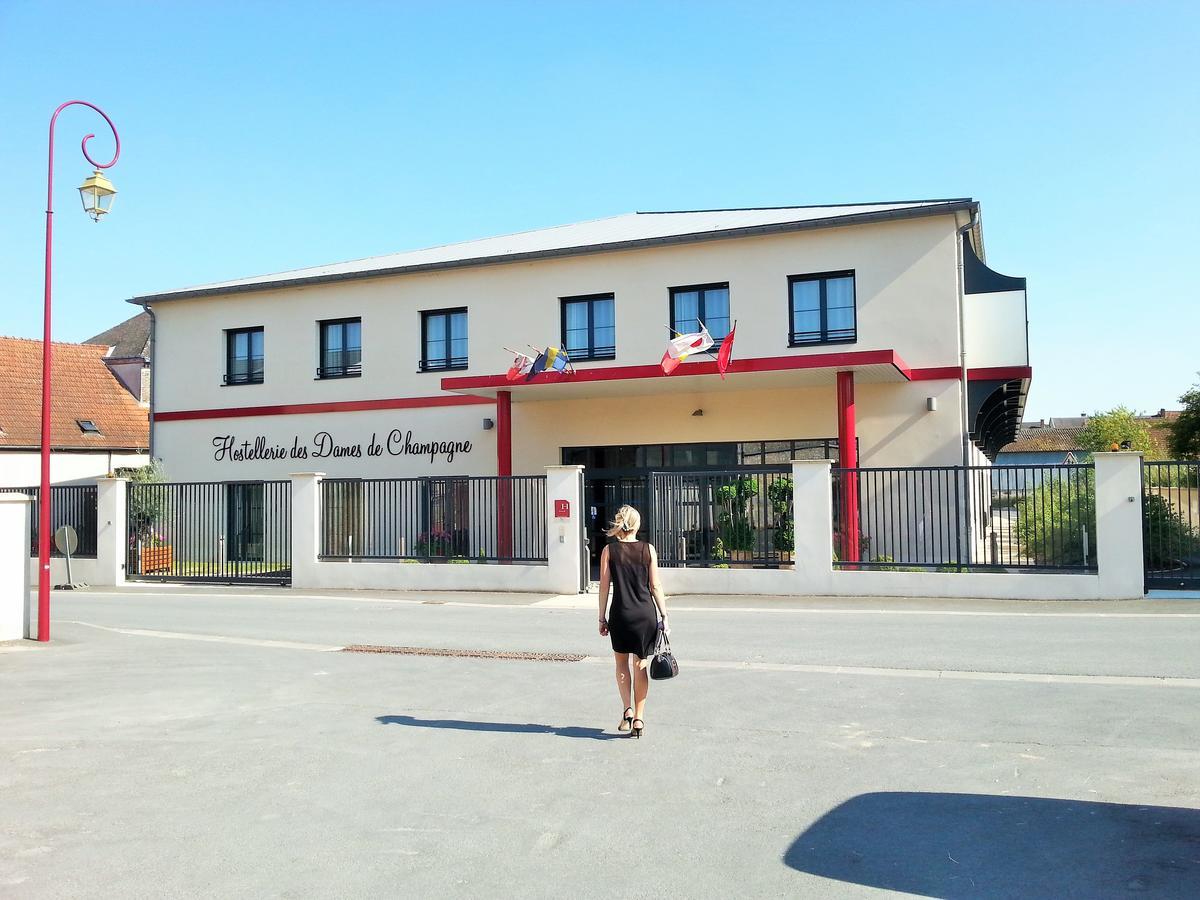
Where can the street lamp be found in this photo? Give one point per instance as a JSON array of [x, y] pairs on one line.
[[97, 193]]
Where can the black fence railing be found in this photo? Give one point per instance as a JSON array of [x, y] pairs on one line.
[[738, 518], [215, 531], [1171, 524], [480, 519], [70, 504], [978, 518]]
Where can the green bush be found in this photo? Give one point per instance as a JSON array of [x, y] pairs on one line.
[[1052, 519], [1170, 539], [779, 493]]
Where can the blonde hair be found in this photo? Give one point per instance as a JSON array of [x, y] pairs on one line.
[[626, 521]]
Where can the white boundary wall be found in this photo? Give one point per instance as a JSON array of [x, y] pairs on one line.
[[16, 603], [1120, 574], [107, 569], [560, 575]]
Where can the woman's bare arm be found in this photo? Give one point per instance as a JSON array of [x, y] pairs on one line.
[[660, 598], [603, 591]]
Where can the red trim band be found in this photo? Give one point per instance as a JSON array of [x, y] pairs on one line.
[[296, 409], [629, 373], [954, 373]]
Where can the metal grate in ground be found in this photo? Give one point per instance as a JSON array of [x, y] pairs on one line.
[[471, 654]]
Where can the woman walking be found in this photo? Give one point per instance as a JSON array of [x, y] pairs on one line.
[[630, 568]]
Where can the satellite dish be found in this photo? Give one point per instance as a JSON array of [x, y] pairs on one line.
[[66, 540]]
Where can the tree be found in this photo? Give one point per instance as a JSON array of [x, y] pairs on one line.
[[1184, 441], [1116, 427]]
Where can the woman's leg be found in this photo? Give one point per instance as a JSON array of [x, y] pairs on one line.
[[641, 687], [623, 681]]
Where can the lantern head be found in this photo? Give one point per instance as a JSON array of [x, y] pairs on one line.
[[97, 193]]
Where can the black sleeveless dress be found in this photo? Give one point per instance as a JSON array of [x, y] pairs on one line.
[[632, 617]]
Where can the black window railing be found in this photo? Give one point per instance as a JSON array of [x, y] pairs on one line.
[[443, 364], [244, 377], [353, 370]]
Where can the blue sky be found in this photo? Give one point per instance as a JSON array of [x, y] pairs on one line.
[[265, 136]]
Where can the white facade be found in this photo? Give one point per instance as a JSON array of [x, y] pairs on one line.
[[907, 300], [22, 468]]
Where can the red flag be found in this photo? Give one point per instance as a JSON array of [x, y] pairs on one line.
[[726, 352], [669, 363]]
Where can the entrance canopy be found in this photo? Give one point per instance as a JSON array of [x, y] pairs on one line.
[[763, 373]]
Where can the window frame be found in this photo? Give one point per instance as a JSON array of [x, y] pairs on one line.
[[823, 337], [700, 312], [590, 300], [230, 339], [450, 365], [324, 373]]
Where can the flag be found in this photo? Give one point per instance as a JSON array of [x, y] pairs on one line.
[[683, 346], [725, 354], [557, 360], [537, 366], [522, 365]]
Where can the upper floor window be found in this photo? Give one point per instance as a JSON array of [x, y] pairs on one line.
[[589, 329], [443, 340], [822, 309], [701, 303], [244, 356], [341, 349]]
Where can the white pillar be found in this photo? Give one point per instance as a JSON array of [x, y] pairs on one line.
[[111, 532], [564, 549], [306, 527], [812, 513], [17, 619], [1119, 525]]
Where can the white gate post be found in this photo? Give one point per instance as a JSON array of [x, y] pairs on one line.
[[111, 532], [1119, 559], [306, 527], [812, 521], [563, 547], [17, 612]]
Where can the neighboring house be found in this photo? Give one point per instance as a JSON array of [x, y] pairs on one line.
[[96, 423], [129, 354], [1054, 442], [847, 345]]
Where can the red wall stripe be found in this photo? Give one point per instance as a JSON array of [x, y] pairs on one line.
[[627, 373], [954, 373], [296, 409]]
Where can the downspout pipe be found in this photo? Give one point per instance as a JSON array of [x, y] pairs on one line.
[[964, 408], [153, 381]]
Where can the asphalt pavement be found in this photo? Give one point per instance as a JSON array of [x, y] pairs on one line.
[[183, 743]]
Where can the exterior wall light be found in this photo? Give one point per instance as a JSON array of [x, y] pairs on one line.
[[931, 404], [97, 193], [489, 424], [698, 412]]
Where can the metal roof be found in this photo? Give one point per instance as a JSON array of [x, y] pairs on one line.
[[627, 231]]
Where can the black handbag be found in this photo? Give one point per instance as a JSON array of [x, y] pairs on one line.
[[663, 665]]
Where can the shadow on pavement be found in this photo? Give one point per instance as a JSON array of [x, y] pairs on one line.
[[595, 734], [982, 845]]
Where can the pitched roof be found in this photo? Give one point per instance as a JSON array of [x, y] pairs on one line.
[[129, 339], [1063, 433], [621, 232], [82, 388]]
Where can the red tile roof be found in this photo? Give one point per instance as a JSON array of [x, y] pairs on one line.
[[82, 387]]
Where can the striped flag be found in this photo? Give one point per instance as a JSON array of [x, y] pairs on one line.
[[683, 346]]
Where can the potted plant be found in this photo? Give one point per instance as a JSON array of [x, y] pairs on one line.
[[434, 543], [145, 510], [779, 494], [734, 528]]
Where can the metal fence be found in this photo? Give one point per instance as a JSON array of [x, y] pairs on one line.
[[70, 504], [1171, 524], [458, 518], [738, 518], [978, 518], [213, 531]]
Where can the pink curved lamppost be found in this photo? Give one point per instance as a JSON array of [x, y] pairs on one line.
[[44, 499]]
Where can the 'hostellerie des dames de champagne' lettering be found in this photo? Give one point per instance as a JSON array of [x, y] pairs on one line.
[[324, 445]]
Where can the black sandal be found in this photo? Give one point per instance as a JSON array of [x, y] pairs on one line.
[[636, 730], [626, 720]]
